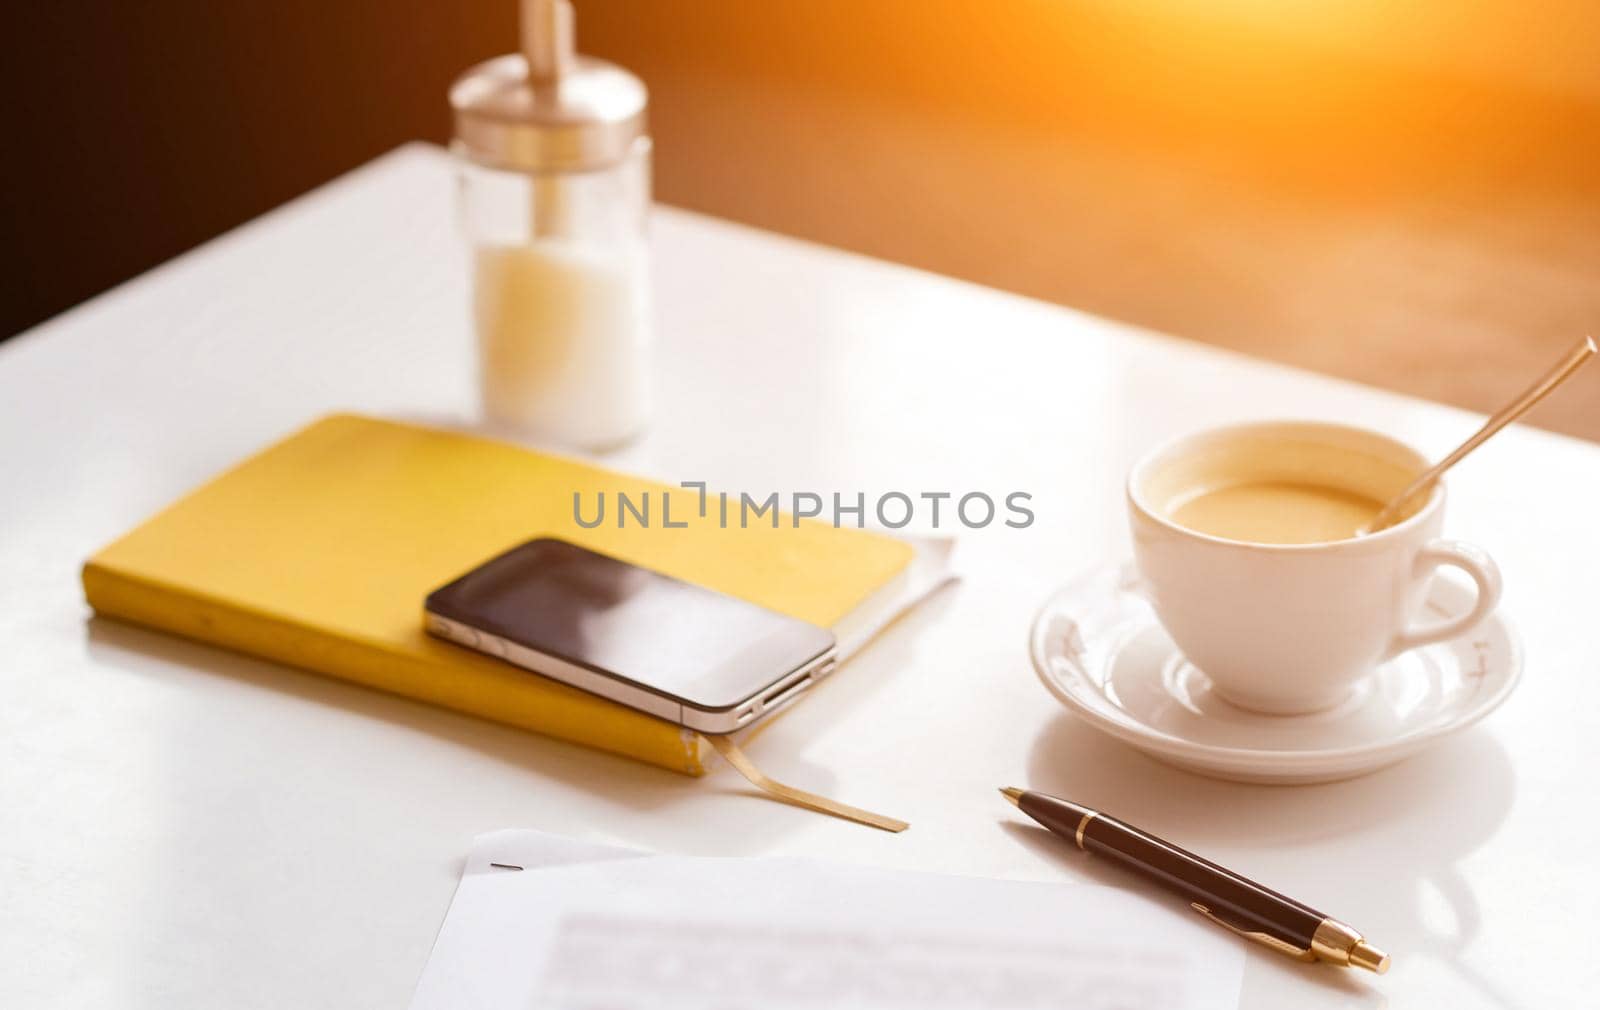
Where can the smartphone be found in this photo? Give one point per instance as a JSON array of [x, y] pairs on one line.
[[675, 650]]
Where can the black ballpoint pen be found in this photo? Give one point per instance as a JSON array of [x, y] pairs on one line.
[[1224, 897]]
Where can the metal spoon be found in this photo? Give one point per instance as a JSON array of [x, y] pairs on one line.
[[1563, 370]]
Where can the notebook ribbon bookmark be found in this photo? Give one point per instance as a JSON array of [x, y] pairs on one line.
[[799, 797]]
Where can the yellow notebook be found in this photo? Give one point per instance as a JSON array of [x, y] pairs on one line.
[[318, 553]]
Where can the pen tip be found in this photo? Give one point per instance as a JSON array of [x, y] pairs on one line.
[[1365, 955], [1013, 794]]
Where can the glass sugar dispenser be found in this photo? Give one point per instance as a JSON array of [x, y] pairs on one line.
[[553, 162]]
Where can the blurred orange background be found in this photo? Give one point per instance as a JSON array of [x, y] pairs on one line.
[[1403, 194]]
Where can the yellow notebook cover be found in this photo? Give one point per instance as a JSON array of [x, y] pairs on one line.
[[318, 553]]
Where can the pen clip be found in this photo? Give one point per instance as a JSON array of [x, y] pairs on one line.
[[1265, 939]]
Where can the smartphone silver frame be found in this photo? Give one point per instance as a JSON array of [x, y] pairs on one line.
[[781, 691]]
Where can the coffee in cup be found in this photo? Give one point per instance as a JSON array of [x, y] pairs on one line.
[[1248, 542], [1275, 512]]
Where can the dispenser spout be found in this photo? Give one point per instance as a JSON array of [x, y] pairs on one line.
[[547, 39]]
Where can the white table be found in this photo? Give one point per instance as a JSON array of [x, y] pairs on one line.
[[181, 827]]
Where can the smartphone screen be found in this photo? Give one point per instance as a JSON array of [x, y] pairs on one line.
[[669, 637]]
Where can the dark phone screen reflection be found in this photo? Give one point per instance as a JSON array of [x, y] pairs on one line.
[[677, 639]]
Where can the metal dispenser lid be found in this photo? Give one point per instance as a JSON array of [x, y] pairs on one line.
[[547, 109]]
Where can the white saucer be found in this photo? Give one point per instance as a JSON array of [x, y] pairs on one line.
[[1098, 648]]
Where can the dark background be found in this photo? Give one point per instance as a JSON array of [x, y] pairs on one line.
[[138, 130], [1407, 195]]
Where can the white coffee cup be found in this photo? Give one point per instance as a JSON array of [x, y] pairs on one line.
[[1291, 628]]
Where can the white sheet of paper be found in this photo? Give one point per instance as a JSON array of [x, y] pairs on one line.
[[585, 927]]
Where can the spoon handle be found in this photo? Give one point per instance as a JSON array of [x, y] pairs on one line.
[[1581, 352]]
